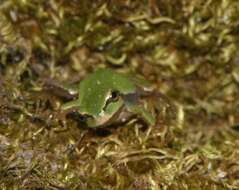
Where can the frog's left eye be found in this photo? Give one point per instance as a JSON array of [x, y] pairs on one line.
[[114, 97]]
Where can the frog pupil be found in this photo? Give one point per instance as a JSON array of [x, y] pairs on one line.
[[114, 95]]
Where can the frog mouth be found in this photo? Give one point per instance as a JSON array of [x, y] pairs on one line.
[[104, 119], [119, 117]]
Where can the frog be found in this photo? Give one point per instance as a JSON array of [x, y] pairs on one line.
[[107, 97]]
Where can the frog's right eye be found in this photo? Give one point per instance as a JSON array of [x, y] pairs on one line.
[[82, 118]]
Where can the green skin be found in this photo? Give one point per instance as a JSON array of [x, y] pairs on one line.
[[102, 97]]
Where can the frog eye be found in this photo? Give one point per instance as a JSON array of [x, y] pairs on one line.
[[114, 96], [78, 117]]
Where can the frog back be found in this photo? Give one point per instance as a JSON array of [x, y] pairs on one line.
[[96, 87]]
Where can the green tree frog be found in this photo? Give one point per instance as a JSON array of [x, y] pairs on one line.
[[106, 97]]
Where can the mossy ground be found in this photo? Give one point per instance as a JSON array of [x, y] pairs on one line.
[[187, 49]]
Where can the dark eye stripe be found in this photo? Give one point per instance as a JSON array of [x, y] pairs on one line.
[[131, 98]]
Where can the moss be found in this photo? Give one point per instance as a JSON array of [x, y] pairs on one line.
[[188, 50]]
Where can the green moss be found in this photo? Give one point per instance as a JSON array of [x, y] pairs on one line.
[[187, 49]]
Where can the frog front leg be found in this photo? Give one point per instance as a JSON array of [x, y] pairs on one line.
[[164, 108], [154, 108], [143, 113]]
